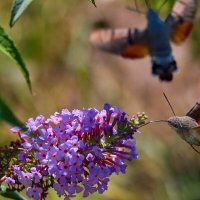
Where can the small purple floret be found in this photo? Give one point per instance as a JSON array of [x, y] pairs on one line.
[[10, 181]]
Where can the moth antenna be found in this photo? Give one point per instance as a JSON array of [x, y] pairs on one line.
[[195, 149], [137, 7], [135, 10], [169, 103], [149, 122], [147, 4], [171, 107], [163, 3]]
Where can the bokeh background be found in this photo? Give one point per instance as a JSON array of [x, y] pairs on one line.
[[66, 71]]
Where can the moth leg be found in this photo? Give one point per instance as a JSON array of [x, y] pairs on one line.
[[195, 149]]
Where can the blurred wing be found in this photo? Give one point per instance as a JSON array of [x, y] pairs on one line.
[[195, 112], [129, 43], [180, 20]]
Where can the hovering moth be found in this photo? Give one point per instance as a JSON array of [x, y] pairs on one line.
[[154, 40], [188, 126]]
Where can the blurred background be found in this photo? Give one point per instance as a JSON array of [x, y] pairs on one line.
[[66, 72]]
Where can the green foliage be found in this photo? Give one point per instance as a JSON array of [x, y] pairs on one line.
[[7, 115], [19, 6], [10, 195], [8, 48]]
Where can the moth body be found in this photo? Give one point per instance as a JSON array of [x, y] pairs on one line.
[[158, 35], [163, 63], [186, 127]]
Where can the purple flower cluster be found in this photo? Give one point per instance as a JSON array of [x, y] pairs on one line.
[[73, 151]]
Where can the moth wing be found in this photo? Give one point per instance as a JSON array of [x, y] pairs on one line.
[[196, 132], [129, 43], [195, 112], [180, 20]]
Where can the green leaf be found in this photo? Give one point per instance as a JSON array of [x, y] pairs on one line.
[[7, 47], [19, 6], [10, 195], [7, 115], [94, 3]]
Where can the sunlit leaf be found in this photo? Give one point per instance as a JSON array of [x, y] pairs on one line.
[[7, 47], [94, 3], [19, 6], [7, 115], [10, 195]]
